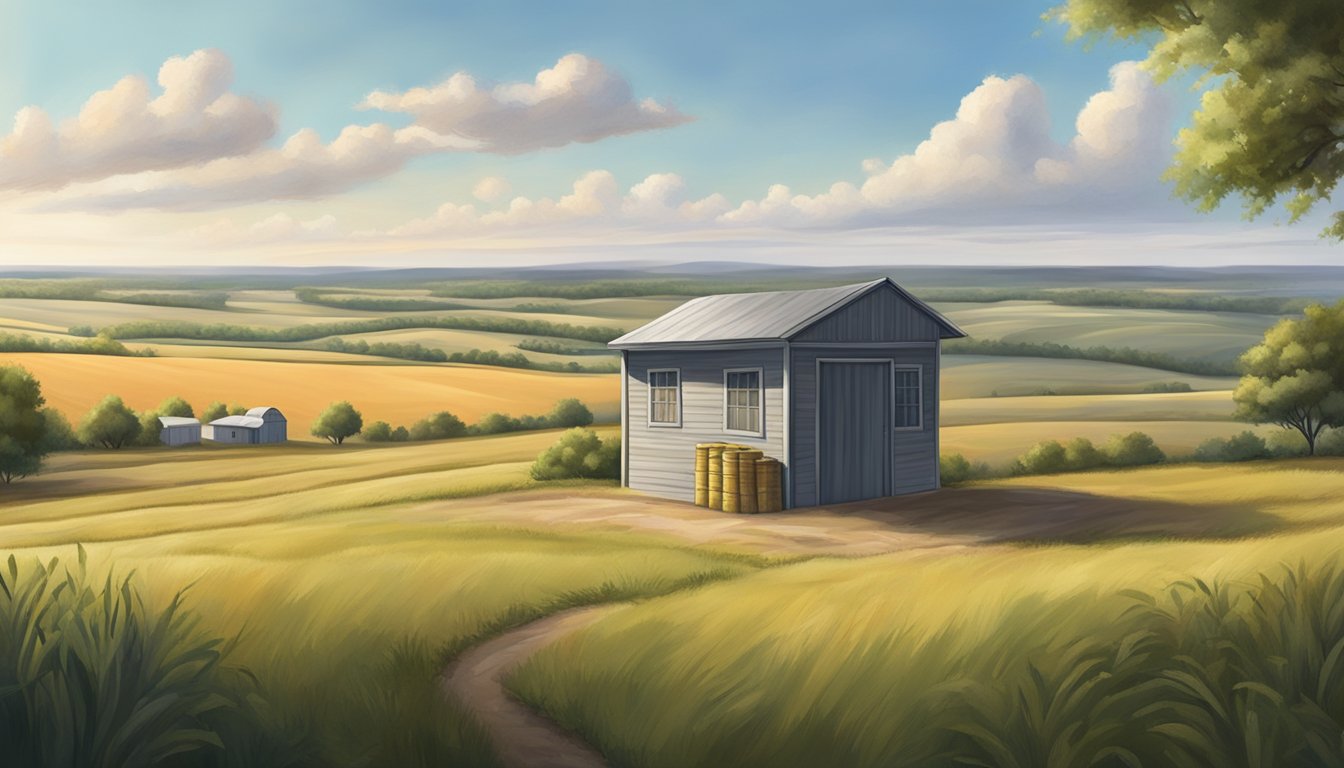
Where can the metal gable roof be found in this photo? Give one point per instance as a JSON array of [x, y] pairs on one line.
[[243, 422], [177, 421], [766, 316]]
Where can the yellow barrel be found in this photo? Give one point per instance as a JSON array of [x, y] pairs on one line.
[[768, 475], [746, 481], [702, 475], [730, 484], [715, 471]]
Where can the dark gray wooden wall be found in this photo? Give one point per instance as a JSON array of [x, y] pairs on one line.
[[662, 459]]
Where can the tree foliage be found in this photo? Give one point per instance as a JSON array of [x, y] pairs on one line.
[[579, 453], [215, 410], [1295, 378], [1270, 125], [22, 424], [110, 424], [337, 422]]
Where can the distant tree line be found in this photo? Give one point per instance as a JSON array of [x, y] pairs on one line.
[[443, 425], [384, 303], [95, 290], [157, 329], [1123, 299], [98, 345], [1123, 355], [418, 351], [551, 347]]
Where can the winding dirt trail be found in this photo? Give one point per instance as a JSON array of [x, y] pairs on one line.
[[522, 738]]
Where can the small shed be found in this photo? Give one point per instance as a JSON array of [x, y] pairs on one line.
[[179, 430], [258, 425], [839, 384]]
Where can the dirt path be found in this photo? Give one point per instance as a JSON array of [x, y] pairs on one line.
[[521, 737]]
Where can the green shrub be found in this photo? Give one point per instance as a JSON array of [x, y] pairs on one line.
[[1165, 387], [570, 413], [579, 453], [176, 406], [1132, 450], [1330, 443], [440, 426], [495, 424], [377, 432], [150, 430], [215, 410], [23, 427], [1081, 455], [954, 469], [1044, 458], [89, 676], [1246, 446], [400, 435]]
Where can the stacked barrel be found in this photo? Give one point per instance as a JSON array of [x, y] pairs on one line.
[[737, 479]]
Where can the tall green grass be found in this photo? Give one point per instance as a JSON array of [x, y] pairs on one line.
[[90, 677], [1200, 673]]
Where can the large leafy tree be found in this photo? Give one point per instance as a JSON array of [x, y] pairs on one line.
[[337, 422], [22, 424], [1270, 125], [110, 424], [1296, 377]]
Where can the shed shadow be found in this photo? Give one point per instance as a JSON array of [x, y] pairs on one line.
[[1040, 515]]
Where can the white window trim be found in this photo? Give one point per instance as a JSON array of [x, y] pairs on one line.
[[918, 368], [648, 386], [760, 389]]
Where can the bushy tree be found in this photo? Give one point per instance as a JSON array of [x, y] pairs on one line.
[[377, 432], [1080, 455], [176, 406], [401, 435], [60, 436], [954, 469], [579, 453], [1044, 458], [1133, 450], [110, 424], [150, 430], [1295, 378], [237, 410], [1270, 125], [495, 424], [337, 422], [215, 410], [440, 426], [22, 424], [570, 412]]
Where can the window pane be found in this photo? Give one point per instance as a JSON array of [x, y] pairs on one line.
[[664, 387]]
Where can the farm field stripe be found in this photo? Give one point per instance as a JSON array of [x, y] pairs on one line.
[[521, 736]]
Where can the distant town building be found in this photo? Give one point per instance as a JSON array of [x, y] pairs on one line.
[[179, 430], [258, 425], [839, 384]]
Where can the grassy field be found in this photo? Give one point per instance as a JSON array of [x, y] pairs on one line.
[[1181, 333], [395, 393], [968, 376], [347, 603], [853, 662]]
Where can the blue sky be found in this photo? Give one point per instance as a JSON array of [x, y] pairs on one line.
[[779, 94]]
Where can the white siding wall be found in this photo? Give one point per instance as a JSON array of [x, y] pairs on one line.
[[662, 459]]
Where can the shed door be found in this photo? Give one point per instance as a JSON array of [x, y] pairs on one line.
[[854, 417]]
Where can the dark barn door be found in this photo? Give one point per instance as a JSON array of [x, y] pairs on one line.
[[854, 442]]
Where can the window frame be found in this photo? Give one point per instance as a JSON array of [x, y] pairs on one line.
[[760, 395], [919, 392], [648, 386]]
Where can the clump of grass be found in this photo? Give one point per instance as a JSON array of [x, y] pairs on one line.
[[90, 676]]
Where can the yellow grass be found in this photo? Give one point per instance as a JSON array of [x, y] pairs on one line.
[[1182, 406], [1182, 333], [394, 393], [982, 375]]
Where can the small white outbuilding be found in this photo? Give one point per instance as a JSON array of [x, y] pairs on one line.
[[258, 425], [179, 430]]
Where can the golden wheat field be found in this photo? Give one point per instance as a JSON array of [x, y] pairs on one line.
[[399, 394]]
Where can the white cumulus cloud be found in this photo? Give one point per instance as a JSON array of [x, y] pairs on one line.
[[577, 100], [491, 189], [128, 129]]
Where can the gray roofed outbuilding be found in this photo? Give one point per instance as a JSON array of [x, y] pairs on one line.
[[764, 316]]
